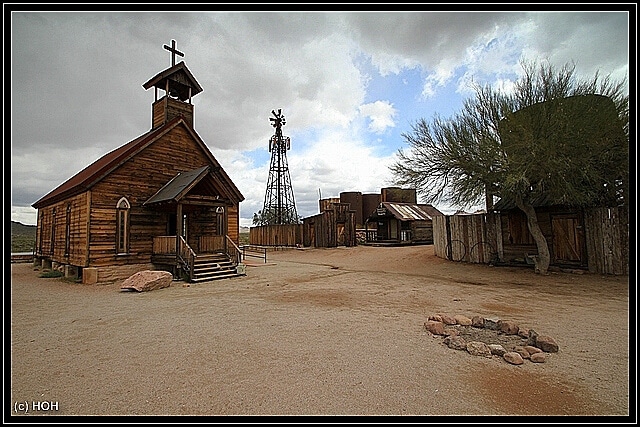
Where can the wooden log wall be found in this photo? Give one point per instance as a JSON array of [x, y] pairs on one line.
[[607, 239], [276, 235]]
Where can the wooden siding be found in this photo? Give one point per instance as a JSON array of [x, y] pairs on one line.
[[116, 273], [276, 235], [327, 204], [78, 233], [333, 227], [166, 108], [202, 222], [607, 236], [398, 195], [209, 244], [440, 235], [233, 224], [422, 231], [165, 245]]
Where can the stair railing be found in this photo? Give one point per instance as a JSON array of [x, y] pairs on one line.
[[185, 256], [234, 252]]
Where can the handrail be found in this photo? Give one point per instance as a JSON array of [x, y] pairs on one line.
[[186, 255], [253, 250], [233, 251]]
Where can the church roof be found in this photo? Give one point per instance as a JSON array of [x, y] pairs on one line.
[[96, 171]]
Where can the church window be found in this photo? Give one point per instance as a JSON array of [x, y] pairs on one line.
[[122, 226]]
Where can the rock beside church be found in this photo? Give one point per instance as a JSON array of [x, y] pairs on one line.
[[147, 280]]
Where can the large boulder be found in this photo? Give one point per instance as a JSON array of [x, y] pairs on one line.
[[147, 280]]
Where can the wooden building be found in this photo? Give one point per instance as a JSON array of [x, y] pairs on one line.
[[398, 223], [594, 239], [335, 225], [160, 201], [397, 219]]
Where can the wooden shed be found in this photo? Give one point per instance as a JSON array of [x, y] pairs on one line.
[[160, 201], [401, 224], [594, 239], [334, 226]]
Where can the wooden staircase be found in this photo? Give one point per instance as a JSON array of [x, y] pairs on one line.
[[216, 266]]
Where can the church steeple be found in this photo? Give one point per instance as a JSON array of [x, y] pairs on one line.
[[179, 86]]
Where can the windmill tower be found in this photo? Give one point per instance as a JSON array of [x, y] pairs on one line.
[[279, 206]]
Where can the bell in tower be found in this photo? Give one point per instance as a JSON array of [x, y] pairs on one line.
[[179, 88]]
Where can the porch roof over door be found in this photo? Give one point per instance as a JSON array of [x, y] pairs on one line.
[[180, 185]]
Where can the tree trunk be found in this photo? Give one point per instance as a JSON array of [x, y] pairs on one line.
[[543, 259]]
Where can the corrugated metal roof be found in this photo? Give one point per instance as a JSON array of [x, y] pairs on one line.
[[411, 211]]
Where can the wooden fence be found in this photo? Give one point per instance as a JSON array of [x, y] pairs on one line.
[[478, 238], [607, 238], [276, 235], [467, 238]]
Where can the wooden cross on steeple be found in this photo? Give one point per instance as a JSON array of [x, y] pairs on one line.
[[173, 51]]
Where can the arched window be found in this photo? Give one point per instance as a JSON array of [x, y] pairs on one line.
[[122, 226], [220, 231]]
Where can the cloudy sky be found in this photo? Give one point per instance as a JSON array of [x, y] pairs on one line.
[[349, 85]]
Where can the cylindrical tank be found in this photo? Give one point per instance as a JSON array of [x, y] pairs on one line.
[[354, 198], [369, 204]]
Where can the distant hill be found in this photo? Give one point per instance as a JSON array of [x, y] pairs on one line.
[[18, 228], [23, 237]]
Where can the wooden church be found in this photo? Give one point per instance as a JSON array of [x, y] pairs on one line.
[[159, 202]]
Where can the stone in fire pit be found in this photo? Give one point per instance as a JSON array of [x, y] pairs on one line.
[[490, 337]]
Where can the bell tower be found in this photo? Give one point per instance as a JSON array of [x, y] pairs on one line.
[[179, 88]]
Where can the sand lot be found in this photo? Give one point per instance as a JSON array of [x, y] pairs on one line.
[[335, 331]]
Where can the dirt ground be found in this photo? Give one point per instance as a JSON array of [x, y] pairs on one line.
[[335, 331]]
